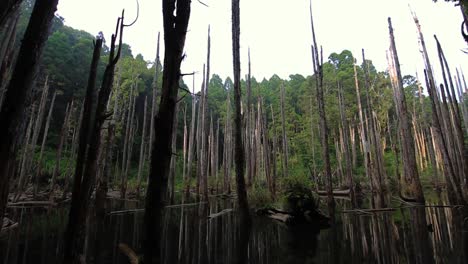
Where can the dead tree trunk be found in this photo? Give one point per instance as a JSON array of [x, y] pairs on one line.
[[191, 143], [44, 138], [318, 72], [175, 27], [348, 163], [172, 172], [19, 88], [284, 138], [239, 149], [408, 153], [7, 9], [142, 149], [58, 157], [248, 134], [84, 180], [419, 230], [154, 102], [7, 54], [227, 147]]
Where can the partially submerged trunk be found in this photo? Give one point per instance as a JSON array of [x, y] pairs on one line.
[[239, 147], [175, 28]]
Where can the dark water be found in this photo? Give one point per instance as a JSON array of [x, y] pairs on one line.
[[189, 237]]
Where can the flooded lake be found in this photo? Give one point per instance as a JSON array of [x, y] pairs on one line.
[[191, 237]]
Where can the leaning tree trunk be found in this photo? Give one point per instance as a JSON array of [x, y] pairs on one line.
[[239, 147], [21, 83], [175, 20], [9, 7], [422, 244], [318, 72]]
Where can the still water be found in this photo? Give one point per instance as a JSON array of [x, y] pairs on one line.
[[191, 237]]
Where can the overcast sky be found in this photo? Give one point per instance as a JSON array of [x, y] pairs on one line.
[[278, 32]]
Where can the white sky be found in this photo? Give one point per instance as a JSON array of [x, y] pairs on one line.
[[278, 32]]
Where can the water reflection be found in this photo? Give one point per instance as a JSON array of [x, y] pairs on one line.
[[191, 237]]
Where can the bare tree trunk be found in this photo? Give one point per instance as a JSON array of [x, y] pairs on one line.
[[284, 139], [227, 147], [248, 134], [273, 152], [129, 144], [175, 28], [26, 153], [204, 126], [191, 143], [239, 149], [349, 166], [184, 148], [174, 157], [7, 9], [407, 141], [19, 87], [84, 180], [312, 146], [58, 157], [422, 244], [142, 149], [154, 105], [318, 72], [7, 53], [44, 139]]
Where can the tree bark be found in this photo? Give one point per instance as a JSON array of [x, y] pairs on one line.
[[19, 88], [175, 20], [7, 9], [239, 149]]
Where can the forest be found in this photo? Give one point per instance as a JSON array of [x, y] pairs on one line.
[[110, 157]]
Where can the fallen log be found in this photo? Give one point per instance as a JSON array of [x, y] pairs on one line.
[[369, 210], [335, 192], [31, 204], [223, 212], [309, 217]]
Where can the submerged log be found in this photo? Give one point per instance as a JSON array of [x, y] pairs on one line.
[[307, 217], [223, 212], [335, 192]]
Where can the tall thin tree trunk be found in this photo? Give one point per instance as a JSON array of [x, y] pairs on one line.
[[142, 148], [58, 157], [19, 87], [239, 147], [284, 138], [154, 105], [318, 72], [191, 143], [44, 139], [349, 166], [248, 134], [172, 172]]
